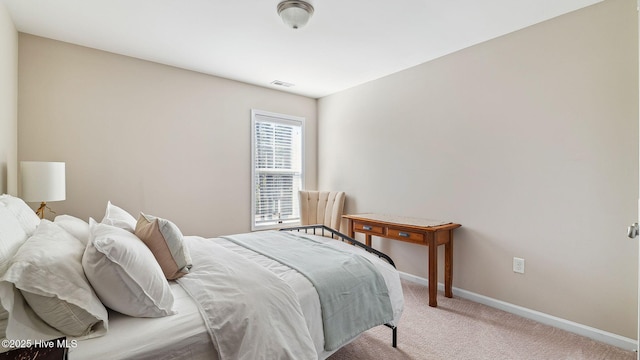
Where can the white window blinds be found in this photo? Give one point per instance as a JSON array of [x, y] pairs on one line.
[[277, 157]]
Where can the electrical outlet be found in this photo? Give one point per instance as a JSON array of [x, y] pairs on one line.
[[518, 265]]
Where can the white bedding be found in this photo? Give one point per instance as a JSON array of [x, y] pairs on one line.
[[180, 336], [249, 311], [307, 295], [185, 333]]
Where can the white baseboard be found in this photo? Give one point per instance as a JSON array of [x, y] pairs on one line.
[[584, 330]]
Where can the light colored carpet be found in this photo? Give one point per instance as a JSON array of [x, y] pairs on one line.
[[462, 329]]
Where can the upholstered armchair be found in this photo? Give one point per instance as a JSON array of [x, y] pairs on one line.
[[322, 207]]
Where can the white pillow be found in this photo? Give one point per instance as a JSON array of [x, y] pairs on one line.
[[12, 236], [25, 215], [4, 319], [47, 270], [74, 226], [23, 323], [119, 217], [3, 329], [124, 273]]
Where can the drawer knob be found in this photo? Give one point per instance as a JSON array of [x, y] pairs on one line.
[[366, 227], [403, 234]]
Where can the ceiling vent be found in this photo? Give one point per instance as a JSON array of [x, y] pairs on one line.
[[282, 83]]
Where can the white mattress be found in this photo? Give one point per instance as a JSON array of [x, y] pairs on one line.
[[184, 336], [180, 336]]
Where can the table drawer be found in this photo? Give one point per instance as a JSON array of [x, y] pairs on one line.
[[368, 228], [404, 235]]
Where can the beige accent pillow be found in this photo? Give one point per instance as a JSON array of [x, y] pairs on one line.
[[166, 242]]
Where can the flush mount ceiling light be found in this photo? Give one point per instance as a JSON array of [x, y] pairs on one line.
[[295, 13]]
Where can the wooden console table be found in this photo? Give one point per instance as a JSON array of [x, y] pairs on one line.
[[430, 233]]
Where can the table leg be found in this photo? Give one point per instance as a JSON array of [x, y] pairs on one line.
[[433, 272], [351, 230], [448, 266], [367, 239]]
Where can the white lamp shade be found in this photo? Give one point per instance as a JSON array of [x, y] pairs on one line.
[[43, 181]]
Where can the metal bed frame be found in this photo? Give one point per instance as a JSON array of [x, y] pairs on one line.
[[324, 230]]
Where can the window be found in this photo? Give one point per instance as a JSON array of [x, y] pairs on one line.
[[277, 169]]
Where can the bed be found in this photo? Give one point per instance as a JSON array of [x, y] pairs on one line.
[[229, 317]]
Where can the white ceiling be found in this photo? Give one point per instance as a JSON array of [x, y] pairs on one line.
[[346, 42]]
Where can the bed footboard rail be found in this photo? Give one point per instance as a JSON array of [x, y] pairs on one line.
[[324, 230]]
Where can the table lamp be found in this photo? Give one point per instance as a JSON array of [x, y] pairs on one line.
[[43, 181]]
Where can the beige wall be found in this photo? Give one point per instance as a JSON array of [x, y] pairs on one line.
[[530, 141], [148, 137], [8, 103]]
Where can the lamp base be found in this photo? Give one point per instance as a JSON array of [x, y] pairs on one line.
[[41, 209]]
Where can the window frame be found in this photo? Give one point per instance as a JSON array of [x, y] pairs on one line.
[[278, 119]]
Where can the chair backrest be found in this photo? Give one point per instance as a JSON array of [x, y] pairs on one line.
[[321, 207]]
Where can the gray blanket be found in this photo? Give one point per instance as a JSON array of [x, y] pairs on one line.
[[353, 295]]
